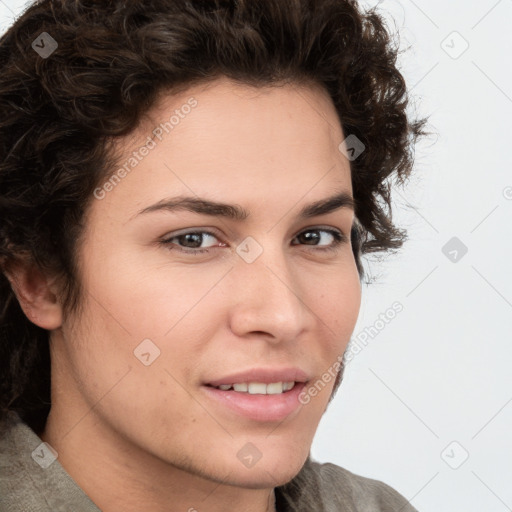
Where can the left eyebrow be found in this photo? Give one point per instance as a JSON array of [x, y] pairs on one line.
[[235, 212]]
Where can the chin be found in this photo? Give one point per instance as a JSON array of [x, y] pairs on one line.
[[262, 479], [277, 470]]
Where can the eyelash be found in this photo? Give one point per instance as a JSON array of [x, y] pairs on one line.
[[339, 238]]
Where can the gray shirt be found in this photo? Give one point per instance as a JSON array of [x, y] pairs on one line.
[[32, 480]]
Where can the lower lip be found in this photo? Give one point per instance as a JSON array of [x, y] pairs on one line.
[[259, 407]]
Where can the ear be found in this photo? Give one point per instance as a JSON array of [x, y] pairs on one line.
[[36, 293]]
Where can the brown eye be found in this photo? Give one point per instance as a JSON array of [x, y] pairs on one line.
[[191, 242], [316, 237]]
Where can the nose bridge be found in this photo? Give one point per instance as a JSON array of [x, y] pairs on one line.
[[268, 297]]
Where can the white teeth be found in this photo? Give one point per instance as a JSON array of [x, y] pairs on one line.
[[274, 388], [288, 385], [259, 388]]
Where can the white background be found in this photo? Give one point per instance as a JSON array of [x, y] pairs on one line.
[[439, 372]]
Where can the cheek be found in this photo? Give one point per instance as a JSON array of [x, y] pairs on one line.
[[338, 307], [339, 302], [148, 294], [123, 366], [132, 311]]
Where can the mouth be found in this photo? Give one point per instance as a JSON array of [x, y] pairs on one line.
[[258, 388], [256, 401]]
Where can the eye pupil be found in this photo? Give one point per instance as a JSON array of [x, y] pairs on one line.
[[195, 238], [310, 236]]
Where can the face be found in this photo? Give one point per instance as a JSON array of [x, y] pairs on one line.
[[184, 297]]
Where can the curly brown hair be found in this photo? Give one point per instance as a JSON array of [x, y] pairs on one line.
[[59, 113]]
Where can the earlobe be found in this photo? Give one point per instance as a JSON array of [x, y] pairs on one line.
[[34, 292]]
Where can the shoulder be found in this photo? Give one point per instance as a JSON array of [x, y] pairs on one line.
[[31, 477], [365, 493], [328, 487], [15, 484]]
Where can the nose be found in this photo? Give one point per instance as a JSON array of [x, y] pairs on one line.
[[268, 299]]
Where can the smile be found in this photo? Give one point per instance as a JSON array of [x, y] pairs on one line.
[[258, 388]]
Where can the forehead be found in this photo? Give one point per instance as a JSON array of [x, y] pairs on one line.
[[228, 114], [224, 140]]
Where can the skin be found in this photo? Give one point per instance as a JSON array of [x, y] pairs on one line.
[[146, 438]]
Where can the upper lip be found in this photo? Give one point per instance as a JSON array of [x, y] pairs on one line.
[[264, 375]]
